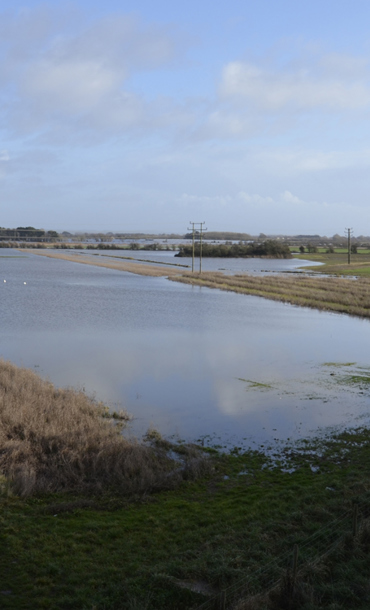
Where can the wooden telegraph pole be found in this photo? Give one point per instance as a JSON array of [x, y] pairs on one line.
[[201, 236], [193, 230], [349, 232]]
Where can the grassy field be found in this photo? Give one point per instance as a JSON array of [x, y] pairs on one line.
[[327, 294], [337, 263], [174, 549], [79, 531]]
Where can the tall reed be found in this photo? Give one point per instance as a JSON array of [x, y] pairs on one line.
[[59, 440]]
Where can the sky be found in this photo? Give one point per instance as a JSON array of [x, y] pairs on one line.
[[149, 115]]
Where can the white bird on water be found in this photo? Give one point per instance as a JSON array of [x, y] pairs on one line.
[[24, 282]]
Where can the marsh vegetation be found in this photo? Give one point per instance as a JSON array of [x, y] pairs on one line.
[[60, 440], [324, 293]]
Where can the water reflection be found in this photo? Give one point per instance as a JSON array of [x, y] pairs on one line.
[[191, 361]]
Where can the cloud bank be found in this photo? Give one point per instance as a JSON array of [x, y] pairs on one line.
[[90, 119]]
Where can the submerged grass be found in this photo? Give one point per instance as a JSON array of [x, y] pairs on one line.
[[256, 384]]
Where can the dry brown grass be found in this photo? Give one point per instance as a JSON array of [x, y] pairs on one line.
[[329, 294], [120, 265], [59, 440]]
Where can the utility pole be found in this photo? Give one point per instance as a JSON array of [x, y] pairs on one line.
[[349, 233], [193, 230], [201, 235]]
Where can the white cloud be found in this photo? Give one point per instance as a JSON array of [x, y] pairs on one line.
[[70, 86], [76, 80], [223, 123], [297, 161], [290, 198], [66, 80], [207, 201], [254, 198], [343, 66], [303, 89]]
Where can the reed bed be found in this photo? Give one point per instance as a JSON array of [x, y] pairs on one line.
[[351, 296], [55, 440]]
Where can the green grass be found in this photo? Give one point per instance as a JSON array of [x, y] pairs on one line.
[[337, 263], [62, 552]]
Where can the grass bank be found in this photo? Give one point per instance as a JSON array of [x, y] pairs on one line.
[[87, 519], [337, 263], [119, 264], [327, 294]]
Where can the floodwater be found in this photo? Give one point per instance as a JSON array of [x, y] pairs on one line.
[[193, 362], [226, 265]]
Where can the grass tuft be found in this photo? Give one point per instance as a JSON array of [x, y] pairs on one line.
[[54, 440]]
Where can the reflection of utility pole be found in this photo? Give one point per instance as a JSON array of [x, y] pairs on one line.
[[201, 235], [349, 233]]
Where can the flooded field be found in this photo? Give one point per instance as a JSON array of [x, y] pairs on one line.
[[193, 362]]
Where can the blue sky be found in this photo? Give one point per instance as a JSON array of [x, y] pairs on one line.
[[143, 116]]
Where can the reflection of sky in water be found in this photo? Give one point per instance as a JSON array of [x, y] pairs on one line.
[[180, 357]]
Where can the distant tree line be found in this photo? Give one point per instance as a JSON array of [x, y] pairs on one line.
[[269, 249], [221, 236], [29, 234]]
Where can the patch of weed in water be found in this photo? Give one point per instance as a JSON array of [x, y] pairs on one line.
[[314, 397], [355, 379], [257, 384], [339, 364]]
